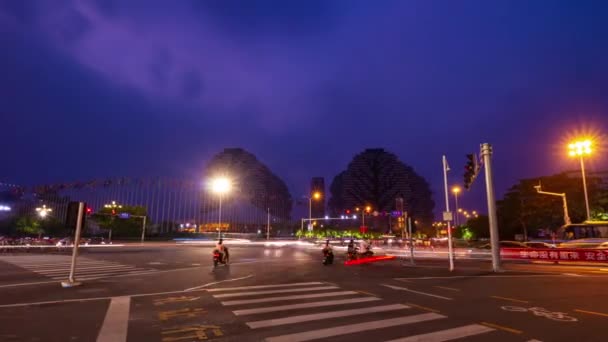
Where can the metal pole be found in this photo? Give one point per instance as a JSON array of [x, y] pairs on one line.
[[310, 210], [456, 218], [409, 224], [71, 281], [567, 220], [585, 189], [302, 229], [268, 226], [143, 230], [219, 224], [447, 209], [486, 152]]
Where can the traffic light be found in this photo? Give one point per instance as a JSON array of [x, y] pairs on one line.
[[113, 212], [470, 170], [89, 211]]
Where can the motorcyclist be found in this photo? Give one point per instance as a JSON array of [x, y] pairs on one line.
[[328, 253], [222, 250], [364, 247]]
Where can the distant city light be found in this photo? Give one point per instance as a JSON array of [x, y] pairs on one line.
[[326, 217], [5, 208], [354, 217]]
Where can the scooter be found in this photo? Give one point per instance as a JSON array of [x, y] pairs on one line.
[[219, 258], [328, 257]]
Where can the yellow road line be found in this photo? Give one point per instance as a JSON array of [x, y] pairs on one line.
[[422, 307], [511, 299], [446, 288], [496, 326], [591, 312]]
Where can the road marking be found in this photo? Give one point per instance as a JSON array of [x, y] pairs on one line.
[[255, 293], [592, 312], [88, 269], [604, 269], [27, 284], [217, 282], [422, 307], [572, 274], [303, 306], [510, 299], [448, 334], [263, 286], [354, 328], [500, 327], [417, 292], [116, 322], [324, 315], [447, 288], [367, 293], [483, 276], [277, 299]]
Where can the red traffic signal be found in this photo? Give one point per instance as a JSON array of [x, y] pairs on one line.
[[89, 211], [113, 212]]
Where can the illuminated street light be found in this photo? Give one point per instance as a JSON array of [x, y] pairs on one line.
[[220, 186], [580, 149], [43, 211]]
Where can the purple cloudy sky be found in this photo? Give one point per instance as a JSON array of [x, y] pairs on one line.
[[142, 88]]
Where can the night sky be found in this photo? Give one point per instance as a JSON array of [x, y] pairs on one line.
[[92, 89]]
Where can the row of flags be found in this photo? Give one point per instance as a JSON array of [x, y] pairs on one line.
[[97, 183]]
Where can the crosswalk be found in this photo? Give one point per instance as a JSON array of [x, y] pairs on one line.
[[308, 311], [58, 266]]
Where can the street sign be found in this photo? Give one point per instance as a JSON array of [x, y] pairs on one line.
[[124, 215], [310, 227], [447, 216]]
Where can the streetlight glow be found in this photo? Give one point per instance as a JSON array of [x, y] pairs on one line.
[[456, 190], [221, 185], [316, 195], [43, 211], [579, 149]]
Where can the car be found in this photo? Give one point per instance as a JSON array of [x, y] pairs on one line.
[[538, 244]]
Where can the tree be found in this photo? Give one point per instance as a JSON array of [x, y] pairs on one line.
[[475, 228], [29, 226], [376, 178], [524, 211]]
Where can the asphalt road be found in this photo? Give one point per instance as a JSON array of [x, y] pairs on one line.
[[172, 293]]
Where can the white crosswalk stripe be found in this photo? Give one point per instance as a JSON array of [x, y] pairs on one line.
[[357, 313], [58, 266]]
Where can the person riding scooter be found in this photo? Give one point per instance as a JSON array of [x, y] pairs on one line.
[[351, 250], [328, 254], [223, 250]]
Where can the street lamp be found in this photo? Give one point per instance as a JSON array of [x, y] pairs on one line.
[[220, 186], [368, 209], [316, 196], [43, 211], [456, 191], [580, 149]]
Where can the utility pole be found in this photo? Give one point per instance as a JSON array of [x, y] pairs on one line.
[[447, 214], [565, 202], [268, 226], [486, 153]]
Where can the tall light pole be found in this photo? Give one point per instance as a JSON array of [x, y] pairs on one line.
[[314, 196], [220, 186], [580, 149], [456, 191]]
